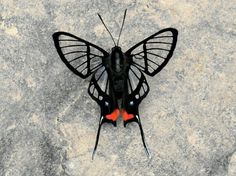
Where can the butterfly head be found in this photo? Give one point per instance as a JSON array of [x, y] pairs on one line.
[[117, 59], [116, 48]]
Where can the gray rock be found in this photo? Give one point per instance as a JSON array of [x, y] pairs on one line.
[[49, 122]]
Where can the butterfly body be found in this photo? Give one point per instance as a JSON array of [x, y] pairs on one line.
[[117, 65], [117, 83]]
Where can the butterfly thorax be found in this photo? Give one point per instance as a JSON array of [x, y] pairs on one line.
[[117, 60], [118, 67]]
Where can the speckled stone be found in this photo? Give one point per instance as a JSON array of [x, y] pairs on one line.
[[49, 123]]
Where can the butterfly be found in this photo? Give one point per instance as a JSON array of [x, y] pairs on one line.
[[117, 83]]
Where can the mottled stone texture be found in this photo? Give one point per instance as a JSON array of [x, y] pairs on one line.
[[48, 121]]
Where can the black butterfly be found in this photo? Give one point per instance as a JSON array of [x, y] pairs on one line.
[[118, 83]]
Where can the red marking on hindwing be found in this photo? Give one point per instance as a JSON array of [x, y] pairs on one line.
[[126, 116], [114, 115]]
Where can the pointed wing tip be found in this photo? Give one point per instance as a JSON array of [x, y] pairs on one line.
[[175, 31], [56, 34]]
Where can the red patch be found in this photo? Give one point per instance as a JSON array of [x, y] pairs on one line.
[[114, 115], [126, 116]]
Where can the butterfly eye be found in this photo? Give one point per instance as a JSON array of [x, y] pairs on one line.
[[131, 103], [106, 103]]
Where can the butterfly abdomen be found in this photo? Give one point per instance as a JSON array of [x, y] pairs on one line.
[[119, 86]]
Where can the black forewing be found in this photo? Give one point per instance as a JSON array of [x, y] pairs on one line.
[[153, 53], [80, 56]]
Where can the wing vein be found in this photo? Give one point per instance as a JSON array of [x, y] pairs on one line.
[[163, 36], [72, 52], [68, 46], [130, 85], [106, 85], [101, 74], [159, 42], [156, 55], [68, 40], [151, 67], [96, 67], [139, 65], [134, 73], [153, 62], [80, 64], [158, 49], [77, 58]]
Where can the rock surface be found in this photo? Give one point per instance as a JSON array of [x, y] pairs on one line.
[[49, 122]]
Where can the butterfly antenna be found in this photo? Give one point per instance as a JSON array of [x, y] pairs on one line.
[[122, 26], [107, 29]]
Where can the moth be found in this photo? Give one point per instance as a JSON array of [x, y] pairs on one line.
[[117, 83]]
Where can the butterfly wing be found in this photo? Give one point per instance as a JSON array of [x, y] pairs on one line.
[[153, 53], [137, 90], [137, 86], [100, 90], [80, 56], [149, 56]]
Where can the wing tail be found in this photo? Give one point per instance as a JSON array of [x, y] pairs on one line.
[[137, 90], [99, 90]]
